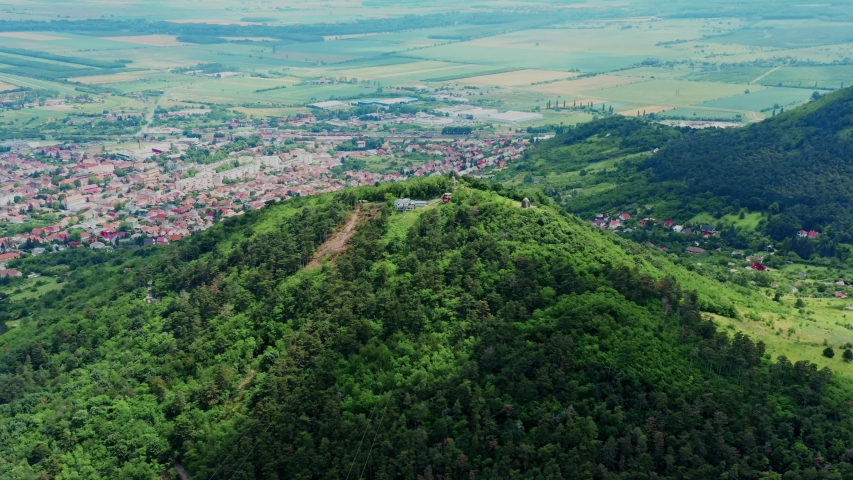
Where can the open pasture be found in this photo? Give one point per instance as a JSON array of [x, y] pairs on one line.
[[802, 337]]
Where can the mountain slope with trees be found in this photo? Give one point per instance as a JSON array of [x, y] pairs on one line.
[[796, 167], [473, 339]]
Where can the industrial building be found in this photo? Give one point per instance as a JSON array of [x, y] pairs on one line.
[[330, 105], [386, 102]]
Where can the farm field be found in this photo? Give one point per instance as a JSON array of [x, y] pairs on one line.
[[763, 99], [673, 67], [669, 92], [692, 113], [519, 78], [829, 76]]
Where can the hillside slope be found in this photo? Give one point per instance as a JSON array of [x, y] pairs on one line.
[[462, 340], [796, 167]]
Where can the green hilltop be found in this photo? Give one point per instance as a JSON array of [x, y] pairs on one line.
[[335, 337]]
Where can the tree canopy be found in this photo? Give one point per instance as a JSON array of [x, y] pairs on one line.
[[461, 340]]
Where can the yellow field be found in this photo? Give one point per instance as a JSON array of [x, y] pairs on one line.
[[520, 77], [30, 36], [99, 79], [151, 40], [645, 109], [7, 86]]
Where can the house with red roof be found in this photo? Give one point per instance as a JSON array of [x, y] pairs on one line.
[[5, 257]]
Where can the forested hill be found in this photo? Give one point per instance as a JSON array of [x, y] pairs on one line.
[[473, 339], [797, 166]]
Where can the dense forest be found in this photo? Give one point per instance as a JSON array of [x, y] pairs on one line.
[[473, 339], [796, 168]]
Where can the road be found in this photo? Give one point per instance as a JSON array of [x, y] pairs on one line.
[[761, 77], [149, 116]]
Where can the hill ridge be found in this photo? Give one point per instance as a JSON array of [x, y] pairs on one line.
[[499, 341]]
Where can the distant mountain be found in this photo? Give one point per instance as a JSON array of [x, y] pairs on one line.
[[330, 338], [796, 167]]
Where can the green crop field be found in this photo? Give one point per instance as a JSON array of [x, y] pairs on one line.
[[674, 67], [743, 75], [762, 99], [697, 113], [670, 92], [828, 76]]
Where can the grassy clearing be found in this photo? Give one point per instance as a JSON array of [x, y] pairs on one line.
[[748, 222], [31, 289], [801, 336]]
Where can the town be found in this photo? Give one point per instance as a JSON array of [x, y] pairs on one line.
[[163, 186]]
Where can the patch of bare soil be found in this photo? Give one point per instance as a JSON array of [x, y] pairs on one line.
[[338, 242]]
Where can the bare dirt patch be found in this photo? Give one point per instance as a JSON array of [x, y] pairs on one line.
[[337, 243], [30, 36], [7, 86], [151, 40], [99, 79], [246, 381]]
